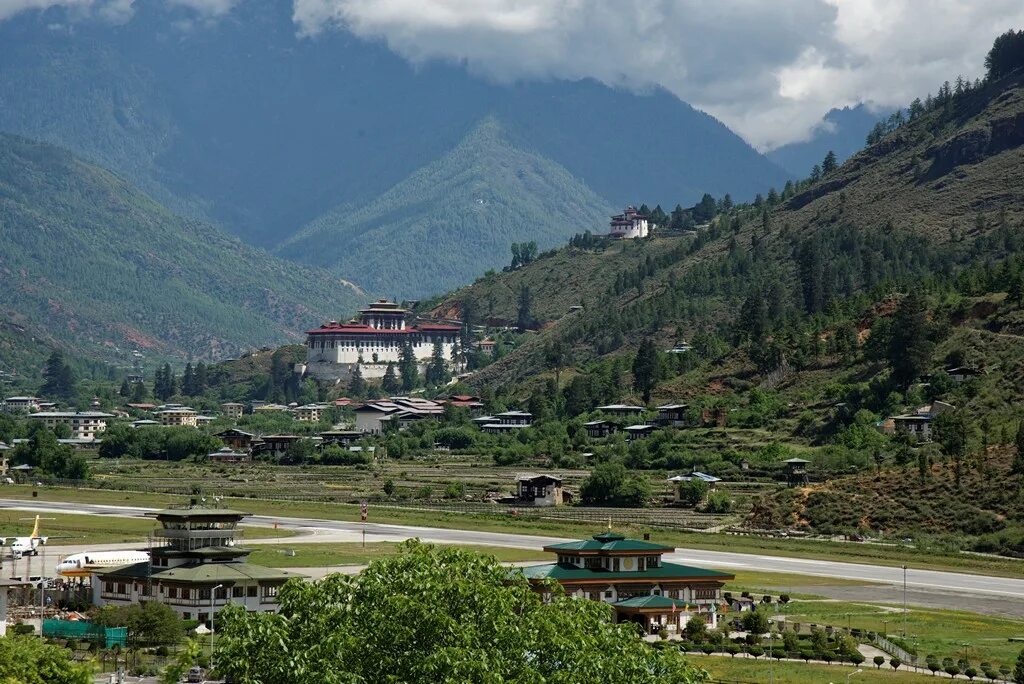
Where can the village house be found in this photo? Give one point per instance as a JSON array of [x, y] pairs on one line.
[[309, 413], [596, 429], [632, 576], [228, 455], [710, 480], [20, 404], [622, 410], [238, 440], [638, 432], [523, 418], [85, 425], [341, 437], [177, 416], [539, 490], [373, 341], [962, 373], [466, 401], [671, 415], [795, 470], [274, 446], [917, 423], [630, 224], [372, 417], [486, 345], [232, 410], [196, 571]]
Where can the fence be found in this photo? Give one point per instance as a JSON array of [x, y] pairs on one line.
[[86, 631], [892, 649]]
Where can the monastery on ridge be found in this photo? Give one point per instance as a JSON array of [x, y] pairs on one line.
[[335, 349]]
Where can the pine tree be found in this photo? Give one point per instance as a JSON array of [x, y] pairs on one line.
[[1018, 459], [407, 368], [201, 379], [829, 163], [356, 384], [59, 378], [139, 393], [390, 382], [188, 381], [437, 369], [910, 349], [646, 369], [524, 318], [126, 389]]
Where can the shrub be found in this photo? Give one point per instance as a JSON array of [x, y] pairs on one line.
[[879, 661], [971, 673], [756, 651], [895, 662]]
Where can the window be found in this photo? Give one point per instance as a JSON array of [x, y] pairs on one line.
[[204, 594], [122, 588], [186, 615], [172, 592], [237, 592], [269, 592], [593, 563], [108, 587], [250, 592]]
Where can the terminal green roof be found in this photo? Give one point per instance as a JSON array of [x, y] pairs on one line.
[[198, 512], [201, 573], [651, 602], [569, 572], [609, 541]]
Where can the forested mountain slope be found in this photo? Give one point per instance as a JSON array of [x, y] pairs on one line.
[[244, 122], [90, 261], [452, 219]]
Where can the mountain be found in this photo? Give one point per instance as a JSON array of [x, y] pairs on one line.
[[243, 123], [934, 201], [93, 263], [841, 131], [451, 220]]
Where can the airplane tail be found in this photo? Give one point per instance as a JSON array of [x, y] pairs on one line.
[[35, 529]]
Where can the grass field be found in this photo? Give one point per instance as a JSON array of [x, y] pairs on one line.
[[353, 553], [69, 529], [820, 550], [781, 582], [746, 670]]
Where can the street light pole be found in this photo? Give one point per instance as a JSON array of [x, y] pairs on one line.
[[213, 592], [904, 601], [857, 671]]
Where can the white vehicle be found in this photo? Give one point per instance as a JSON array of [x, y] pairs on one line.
[[25, 546], [85, 564]]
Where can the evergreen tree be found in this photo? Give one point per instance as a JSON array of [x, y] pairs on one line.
[[356, 384], [407, 368], [1018, 669], [139, 393], [1018, 459], [646, 368], [188, 381], [390, 382], [524, 319], [201, 378], [1006, 55], [58, 377], [126, 390], [437, 370], [910, 349], [829, 163]]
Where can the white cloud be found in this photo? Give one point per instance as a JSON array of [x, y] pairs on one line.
[[768, 70], [115, 11]]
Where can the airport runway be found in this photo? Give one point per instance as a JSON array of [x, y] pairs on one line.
[[928, 581]]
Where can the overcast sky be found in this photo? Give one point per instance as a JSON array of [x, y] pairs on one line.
[[769, 69]]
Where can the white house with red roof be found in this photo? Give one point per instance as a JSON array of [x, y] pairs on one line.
[[372, 341], [629, 224]]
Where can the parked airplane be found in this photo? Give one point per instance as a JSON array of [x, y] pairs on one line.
[[25, 546], [85, 564]]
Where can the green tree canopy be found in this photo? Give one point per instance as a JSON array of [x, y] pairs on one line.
[[59, 378], [610, 484], [436, 615], [30, 660]]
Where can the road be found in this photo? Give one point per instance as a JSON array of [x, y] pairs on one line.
[[316, 530]]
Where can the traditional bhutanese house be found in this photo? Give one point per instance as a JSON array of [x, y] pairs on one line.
[[228, 455], [632, 576], [196, 572], [796, 471], [177, 416], [515, 418], [342, 402], [628, 225], [236, 439], [597, 429], [85, 425], [918, 424], [274, 445], [621, 410], [480, 421], [540, 490], [341, 437], [309, 413], [486, 346], [202, 420], [145, 422], [370, 417], [638, 431], [232, 409], [962, 373], [466, 401], [710, 480], [671, 414], [502, 428]]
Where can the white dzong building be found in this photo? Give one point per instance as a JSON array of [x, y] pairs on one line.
[[629, 224], [372, 341]]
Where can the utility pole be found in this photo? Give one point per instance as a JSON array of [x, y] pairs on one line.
[[213, 593]]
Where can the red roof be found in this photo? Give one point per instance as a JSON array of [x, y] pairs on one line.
[[363, 329]]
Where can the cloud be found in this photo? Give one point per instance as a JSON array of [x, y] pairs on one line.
[[770, 71], [114, 11]]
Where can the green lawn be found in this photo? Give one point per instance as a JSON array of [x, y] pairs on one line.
[[781, 582], [71, 529], [851, 552], [744, 670], [353, 553]]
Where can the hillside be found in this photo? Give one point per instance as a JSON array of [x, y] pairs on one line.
[[96, 265], [842, 131], [184, 114], [452, 219]]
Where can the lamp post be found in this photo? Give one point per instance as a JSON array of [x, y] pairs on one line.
[[857, 671], [771, 664], [904, 601], [213, 593]]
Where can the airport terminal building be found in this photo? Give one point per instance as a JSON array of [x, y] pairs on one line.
[[197, 569]]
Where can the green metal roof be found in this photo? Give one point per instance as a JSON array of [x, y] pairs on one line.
[[566, 572], [201, 573], [609, 541], [198, 512], [651, 602]]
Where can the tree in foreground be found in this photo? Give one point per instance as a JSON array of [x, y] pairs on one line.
[[30, 660], [436, 615]]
